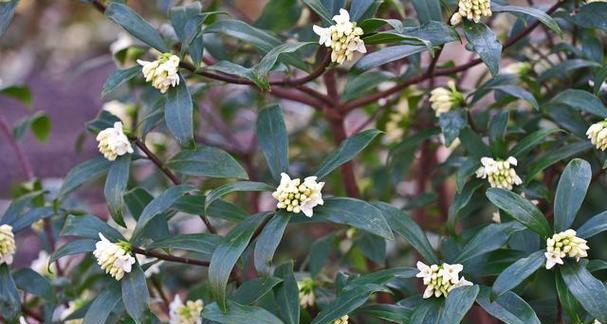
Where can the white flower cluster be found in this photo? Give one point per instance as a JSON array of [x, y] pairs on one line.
[[188, 313], [342, 320], [306, 292], [500, 174], [162, 72], [441, 279], [597, 133], [113, 142], [442, 100], [472, 10], [564, 244], [343, 38], [296, 197], [115, 259], [43, 266], [7, 244]]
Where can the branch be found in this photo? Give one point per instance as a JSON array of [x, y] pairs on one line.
[[23, 161], [168, 257], [350, 105]]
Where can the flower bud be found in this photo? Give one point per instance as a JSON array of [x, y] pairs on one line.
[[343, 38], [114, 258], [190, 313], [163, 73], [472, 10], [296, 197], [500, 174], [442, 100], [7, 244], [564, 244], [113, 142], [597, 133]]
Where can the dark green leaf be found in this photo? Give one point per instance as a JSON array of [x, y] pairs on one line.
[[474, 143], [202, 243], [103, 305], [89, 227], [593, 226], [21, 93], [517, 272], [318, 7], [18, 207], [115, 187], [251, 291], [225, 256], [458, 303], [273, 139], [490, 238], [451, 123], [268, 241], [402, 224], [568, 302], [74, 247], [387, 312], [556, 155], [530, 141], [483, 41], [520, 209], [31, 281], [535, 13], [135, 25], [588, 290], [509, 307], [348, 149], [135, 293], [387, 55], [236, 313], [428, 10], [118, 78], [287, 294], [570, 193], [591, 15], [41, 127], [9, 297], [103, 120], [599, 79], [31, 216], [208, 162], [235, 187], [179, 112], [581, 100], [356, 213], [518, 92], [343, 305], [279, 15], [82, 173], [7, 9]]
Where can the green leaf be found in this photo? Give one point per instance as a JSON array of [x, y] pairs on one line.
[[9, 297], [556, 155], [273, 139], [115, 187], [402, 224], [208, 162], [226, 210], [482, 40], [530, 141], [135, 25], [89, 227], [518, 92], [348, 149], [235, 69], [225, 256], [436, 32], [29, 280], [570, 193], [591, 15], [181, 16], [103, 120], [251, 291], [7, 9], [41, 127], [246, 33], [387, 55], [236, 313], [474, 143], [508, 308], [179, 113], [599, 78], [568, 302], [588, 290], [21, 93], [157, 206], [74, 247], [136, 200], [118, 78], [287, 294], [266, 64], [363, 84], [387, 312], [319, 252], [451, 123], [18, 207], [427, 312], [31, 216], [103, 305], [268, 241], [135, 293], [582, 101], [318, 7], [517, 272], [235, 187], [356, 213], [428, 10], [82, 173], [344, 304], [279, 15], [520, 209], [561, 70], [594, 226], [458, 303], [202, 243], [490, 238], [535, 13]]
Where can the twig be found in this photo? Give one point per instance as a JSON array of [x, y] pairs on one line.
[[23, 161], [168, 257]]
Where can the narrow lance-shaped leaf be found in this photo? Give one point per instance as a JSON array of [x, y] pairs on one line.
[[179, 112], [135, 293], [570, 193], [346, 151], [7, 10], [135, 25], [517, 272], [520, 209], [582, 101], [236, 313], [268, 241], [458, 303], [535, 13], [115, 187], [118, 78], [589, 291], [287, 294], [593, 226], [9, 297], [273, 139], [103, 305], [356, 213], [508, 308], [82, 173], [227, 253], [209, 162], [483, 41], [490, 238]]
